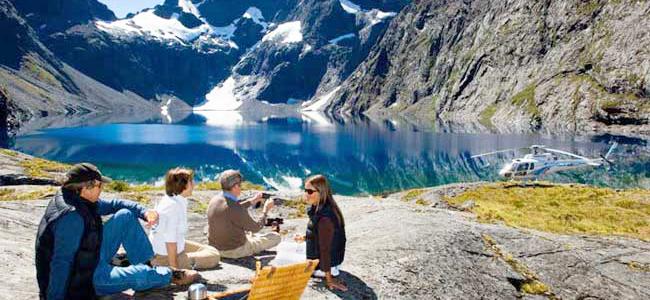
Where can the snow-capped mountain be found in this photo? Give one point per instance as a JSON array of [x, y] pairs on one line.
[[304, 58], [217, 54]]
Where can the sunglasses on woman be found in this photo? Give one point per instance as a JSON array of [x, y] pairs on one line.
[[310, 191]]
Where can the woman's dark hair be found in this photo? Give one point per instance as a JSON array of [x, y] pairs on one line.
[[176, 181], [321, 184]]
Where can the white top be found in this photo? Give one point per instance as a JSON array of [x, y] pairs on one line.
[[172, 224]]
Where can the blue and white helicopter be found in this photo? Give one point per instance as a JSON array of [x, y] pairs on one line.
[[543, 161]]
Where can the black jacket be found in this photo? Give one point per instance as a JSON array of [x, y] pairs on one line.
[[80, 278], [68, 265], [337, 247]]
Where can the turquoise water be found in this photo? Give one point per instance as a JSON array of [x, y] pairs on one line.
[[359, 156]]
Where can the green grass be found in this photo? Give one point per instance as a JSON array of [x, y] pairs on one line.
[[526, 99], [563, 209], [31, 64], [38, 167], [485, 118], [609, 100], [587, 8]]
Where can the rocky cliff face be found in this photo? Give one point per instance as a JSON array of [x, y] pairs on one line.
[[187, 48], [35, 83], [307, 56], [551, 65], [49, 16]]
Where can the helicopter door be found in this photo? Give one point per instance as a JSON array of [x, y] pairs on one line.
[[521, 169]]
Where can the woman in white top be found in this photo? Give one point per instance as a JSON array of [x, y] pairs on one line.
[[168, 238]]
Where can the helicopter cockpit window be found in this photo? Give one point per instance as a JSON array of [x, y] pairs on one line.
[[532, 166], [522, 167]]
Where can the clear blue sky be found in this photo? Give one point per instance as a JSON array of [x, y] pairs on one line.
[[123, 7]]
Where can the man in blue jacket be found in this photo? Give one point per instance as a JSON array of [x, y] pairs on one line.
[[74, 248]]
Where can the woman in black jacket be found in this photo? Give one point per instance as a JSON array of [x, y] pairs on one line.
[[326, 229]]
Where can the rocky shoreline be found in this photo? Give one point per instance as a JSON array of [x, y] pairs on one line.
[[398, 247]]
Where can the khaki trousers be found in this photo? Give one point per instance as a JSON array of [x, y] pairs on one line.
[[255, 243], [195, 256]]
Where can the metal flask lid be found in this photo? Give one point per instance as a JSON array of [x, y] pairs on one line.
[[197, 291]]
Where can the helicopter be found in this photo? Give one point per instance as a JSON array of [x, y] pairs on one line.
[[543, 161]]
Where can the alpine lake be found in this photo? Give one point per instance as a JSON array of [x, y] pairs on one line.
[[360, 156]]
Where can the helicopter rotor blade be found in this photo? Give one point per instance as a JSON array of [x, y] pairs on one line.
[[565, 153], [611, 149], [494, 152]]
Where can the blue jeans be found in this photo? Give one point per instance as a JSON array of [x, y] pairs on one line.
[[124, 229]]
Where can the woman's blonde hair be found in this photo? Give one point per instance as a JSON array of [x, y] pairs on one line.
[[176, 180], [322, 185]]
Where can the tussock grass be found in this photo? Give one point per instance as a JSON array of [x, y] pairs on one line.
[[137, 197], [563, 208], [13, 195], [8, 152], [422, 202], [532, 283], [412, 195], [201, 207], [299, 205], [637, 266], [38, 167], [123, 186]]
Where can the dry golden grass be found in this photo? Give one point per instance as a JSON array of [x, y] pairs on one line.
[[299, 205], [38, 167], [563, 208], [14, 195], [532, 284], [412, 195], [123, 186], [9, 152]]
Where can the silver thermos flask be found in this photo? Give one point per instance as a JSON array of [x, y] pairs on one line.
[[197, 291]]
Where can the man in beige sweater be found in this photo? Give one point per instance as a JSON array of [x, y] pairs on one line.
[[230, 228]]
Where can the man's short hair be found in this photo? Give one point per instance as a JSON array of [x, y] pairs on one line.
[[176, 181], [229, 178]]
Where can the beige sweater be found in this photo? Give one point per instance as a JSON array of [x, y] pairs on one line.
[[228, 222]]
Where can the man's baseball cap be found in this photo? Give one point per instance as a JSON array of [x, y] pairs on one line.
[[85, 172]]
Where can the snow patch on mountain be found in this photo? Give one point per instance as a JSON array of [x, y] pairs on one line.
[[285, 33], [374, 16], [222, 97], [188, 7], [350, 7], [255, 14], [319, 103], [148, 23], [377, 16]]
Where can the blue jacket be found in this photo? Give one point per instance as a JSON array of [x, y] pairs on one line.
[[58, 252]]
